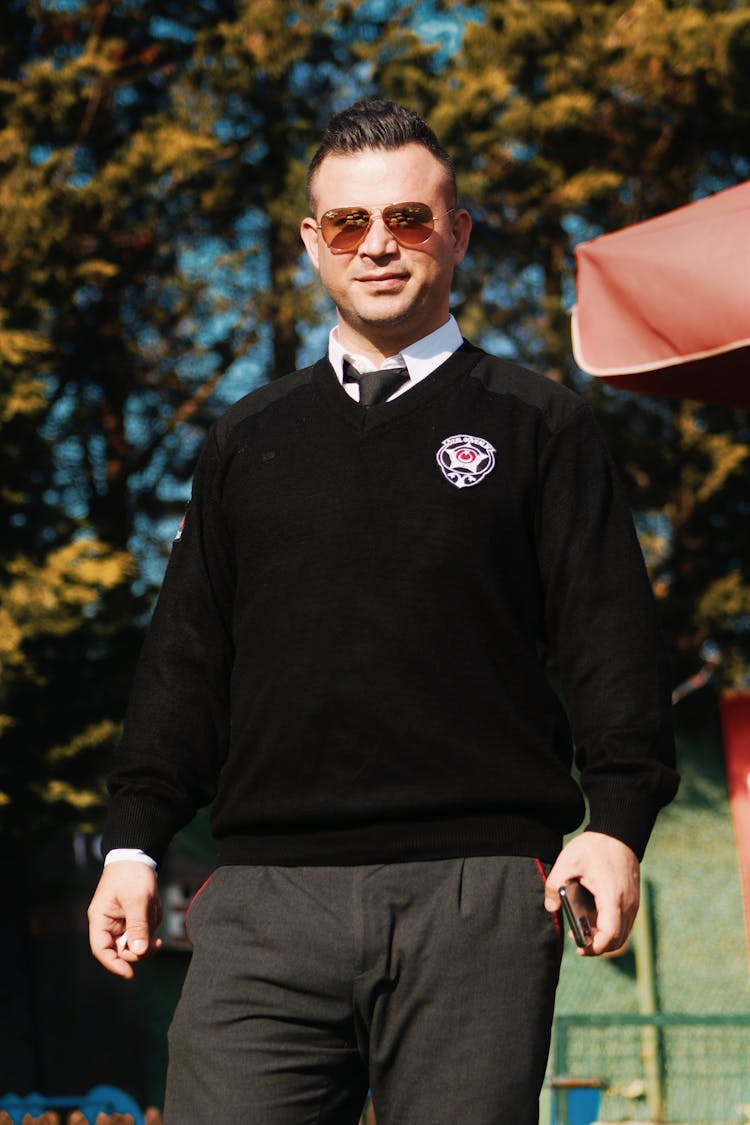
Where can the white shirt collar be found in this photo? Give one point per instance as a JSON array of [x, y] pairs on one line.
[[420, 358]]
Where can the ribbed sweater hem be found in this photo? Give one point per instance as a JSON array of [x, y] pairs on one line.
[[394, 843]]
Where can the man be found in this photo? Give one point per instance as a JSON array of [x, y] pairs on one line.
[[348, 658]]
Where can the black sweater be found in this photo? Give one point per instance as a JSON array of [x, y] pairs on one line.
[[350, 652]]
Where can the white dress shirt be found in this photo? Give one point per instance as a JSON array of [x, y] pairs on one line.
[[420, 359]]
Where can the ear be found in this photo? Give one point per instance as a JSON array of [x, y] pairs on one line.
[[309, 234], [461, 230]]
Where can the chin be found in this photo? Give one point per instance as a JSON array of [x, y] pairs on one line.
[[381, 314]]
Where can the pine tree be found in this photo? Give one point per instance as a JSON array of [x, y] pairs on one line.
[[571, 119], [152, 175]]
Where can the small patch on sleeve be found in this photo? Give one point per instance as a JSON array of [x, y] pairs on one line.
[[181, 528]]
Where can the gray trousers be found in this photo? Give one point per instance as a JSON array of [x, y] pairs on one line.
[[432, 983]]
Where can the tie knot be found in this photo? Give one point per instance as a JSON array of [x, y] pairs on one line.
[[375, 386]]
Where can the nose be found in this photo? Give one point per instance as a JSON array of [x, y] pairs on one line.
[[378, 240]]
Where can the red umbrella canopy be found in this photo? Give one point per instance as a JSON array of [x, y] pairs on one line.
[[664, 306]]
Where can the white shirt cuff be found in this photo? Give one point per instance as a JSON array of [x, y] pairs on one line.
[[131, 854]]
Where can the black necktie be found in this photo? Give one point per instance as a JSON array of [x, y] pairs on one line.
[[375, 386]]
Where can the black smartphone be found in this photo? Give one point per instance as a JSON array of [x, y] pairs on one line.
[[579, 908]]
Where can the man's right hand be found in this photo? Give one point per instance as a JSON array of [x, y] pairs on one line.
[[123, 915]]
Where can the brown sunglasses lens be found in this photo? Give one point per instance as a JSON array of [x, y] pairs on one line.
[[343, 228]]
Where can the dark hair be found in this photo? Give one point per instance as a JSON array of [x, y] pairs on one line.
[[376, 123]]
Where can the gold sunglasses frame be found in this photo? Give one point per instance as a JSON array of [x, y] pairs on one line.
[[373, 213]]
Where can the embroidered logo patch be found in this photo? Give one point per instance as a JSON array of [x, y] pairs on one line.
[[465, 460]]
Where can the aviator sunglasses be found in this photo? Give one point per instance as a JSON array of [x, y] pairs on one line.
[[344, 228]]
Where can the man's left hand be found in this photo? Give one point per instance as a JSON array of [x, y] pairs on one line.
[[611, 871]]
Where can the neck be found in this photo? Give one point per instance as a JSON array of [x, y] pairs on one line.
[[375, 352], [379, 346]]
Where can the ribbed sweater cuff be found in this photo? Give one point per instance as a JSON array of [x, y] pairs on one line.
[[140, 822], [627, 814]]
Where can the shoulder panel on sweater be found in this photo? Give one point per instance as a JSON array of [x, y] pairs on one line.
[[260, 399], [557, 404]]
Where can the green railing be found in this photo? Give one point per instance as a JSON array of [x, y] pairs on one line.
[[671, 1068]]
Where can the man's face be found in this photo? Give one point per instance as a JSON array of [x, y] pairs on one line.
[[387, 295]]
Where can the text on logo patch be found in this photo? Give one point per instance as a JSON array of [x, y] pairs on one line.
[[465, 460]]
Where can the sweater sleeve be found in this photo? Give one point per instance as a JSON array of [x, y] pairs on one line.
[[176, 725], [601, 623]]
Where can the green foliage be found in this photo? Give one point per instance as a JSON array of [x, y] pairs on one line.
[[569, 119], [152, 179], [53, 608]]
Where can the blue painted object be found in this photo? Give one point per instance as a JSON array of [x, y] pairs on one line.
[[100, 1099], [583, 1106]]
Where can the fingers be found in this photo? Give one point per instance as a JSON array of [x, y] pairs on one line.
[[613, 925], [611, 871], [123, 915], [105, 951], [555, 880]]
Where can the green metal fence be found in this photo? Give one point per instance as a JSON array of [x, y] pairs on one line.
[[686, 1069]]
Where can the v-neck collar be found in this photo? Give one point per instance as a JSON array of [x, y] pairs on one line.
[[366, 418]]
